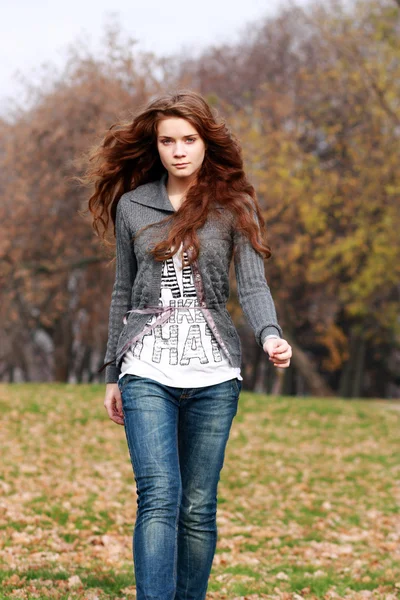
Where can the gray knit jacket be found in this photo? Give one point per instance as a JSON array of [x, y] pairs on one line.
[[138, 276]]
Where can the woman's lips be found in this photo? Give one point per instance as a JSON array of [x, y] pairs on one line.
[[181, 166]]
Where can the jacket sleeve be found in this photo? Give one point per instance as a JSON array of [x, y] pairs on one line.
[[125, 273], [253, 290]]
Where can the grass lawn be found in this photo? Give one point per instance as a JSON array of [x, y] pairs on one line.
[[309, 498]]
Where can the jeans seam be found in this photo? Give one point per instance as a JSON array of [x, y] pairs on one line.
[[236, 385], [175, 574]]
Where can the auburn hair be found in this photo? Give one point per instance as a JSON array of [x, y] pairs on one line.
[[127, 157]]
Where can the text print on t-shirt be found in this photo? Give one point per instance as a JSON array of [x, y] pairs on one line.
[[186, 336]]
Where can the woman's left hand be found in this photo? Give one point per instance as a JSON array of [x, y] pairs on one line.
[[279, 352]]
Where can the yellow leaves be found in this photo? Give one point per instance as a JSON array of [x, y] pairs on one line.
[[313, 219], [296, 250], [333, 338], [393, 190], [282, 172]]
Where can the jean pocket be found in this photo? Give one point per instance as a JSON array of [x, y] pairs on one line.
[[124, 380], [237, 385]]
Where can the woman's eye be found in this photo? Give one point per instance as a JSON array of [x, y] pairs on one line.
[[164, 142]]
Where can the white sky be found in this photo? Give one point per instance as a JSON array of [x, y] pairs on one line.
[[33, 32]]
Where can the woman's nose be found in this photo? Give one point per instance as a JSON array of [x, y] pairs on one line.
[[179, 150]]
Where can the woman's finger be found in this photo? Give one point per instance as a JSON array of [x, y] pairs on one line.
[[113, 406], [282, 350], [282, 365], [283, 356], [116, 416], [118, 405]]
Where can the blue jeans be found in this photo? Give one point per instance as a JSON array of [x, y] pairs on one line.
[[176, 439]]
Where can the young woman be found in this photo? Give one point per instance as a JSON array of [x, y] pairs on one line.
[[173, 182]]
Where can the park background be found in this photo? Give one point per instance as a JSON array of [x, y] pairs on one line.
[[309, 497], [313, 95]]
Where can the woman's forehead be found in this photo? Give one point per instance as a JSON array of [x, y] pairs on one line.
[[175, 127]]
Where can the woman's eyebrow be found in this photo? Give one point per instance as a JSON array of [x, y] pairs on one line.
[[168, 137]]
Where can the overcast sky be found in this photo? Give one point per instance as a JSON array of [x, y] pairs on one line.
[[36, 31]]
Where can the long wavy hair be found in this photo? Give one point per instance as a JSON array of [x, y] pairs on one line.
[[127, 157]]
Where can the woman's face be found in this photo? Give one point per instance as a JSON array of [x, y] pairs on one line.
[[180, 147]]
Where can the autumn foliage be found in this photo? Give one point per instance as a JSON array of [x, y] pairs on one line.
[[313, 95]]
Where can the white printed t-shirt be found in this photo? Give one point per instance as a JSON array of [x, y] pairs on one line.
[[182, 352]]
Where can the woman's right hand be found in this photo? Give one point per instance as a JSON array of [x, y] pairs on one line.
[[113, 403]]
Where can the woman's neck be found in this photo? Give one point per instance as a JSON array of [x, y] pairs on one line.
[[177, 188]]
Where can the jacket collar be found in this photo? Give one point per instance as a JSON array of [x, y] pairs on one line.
[[153, 194]]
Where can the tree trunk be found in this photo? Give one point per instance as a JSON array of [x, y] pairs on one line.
[[304, 365], [350, 384], [287, 388], [345, 380], [257, 366], [277, 387], [84, 365], [359, 361], [261, 373], [63, 340], [20, 359]]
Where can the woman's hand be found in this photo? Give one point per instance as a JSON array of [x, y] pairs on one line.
[[279, 351], [113, 403]]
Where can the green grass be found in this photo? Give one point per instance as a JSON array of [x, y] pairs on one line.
[[308, 498]]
